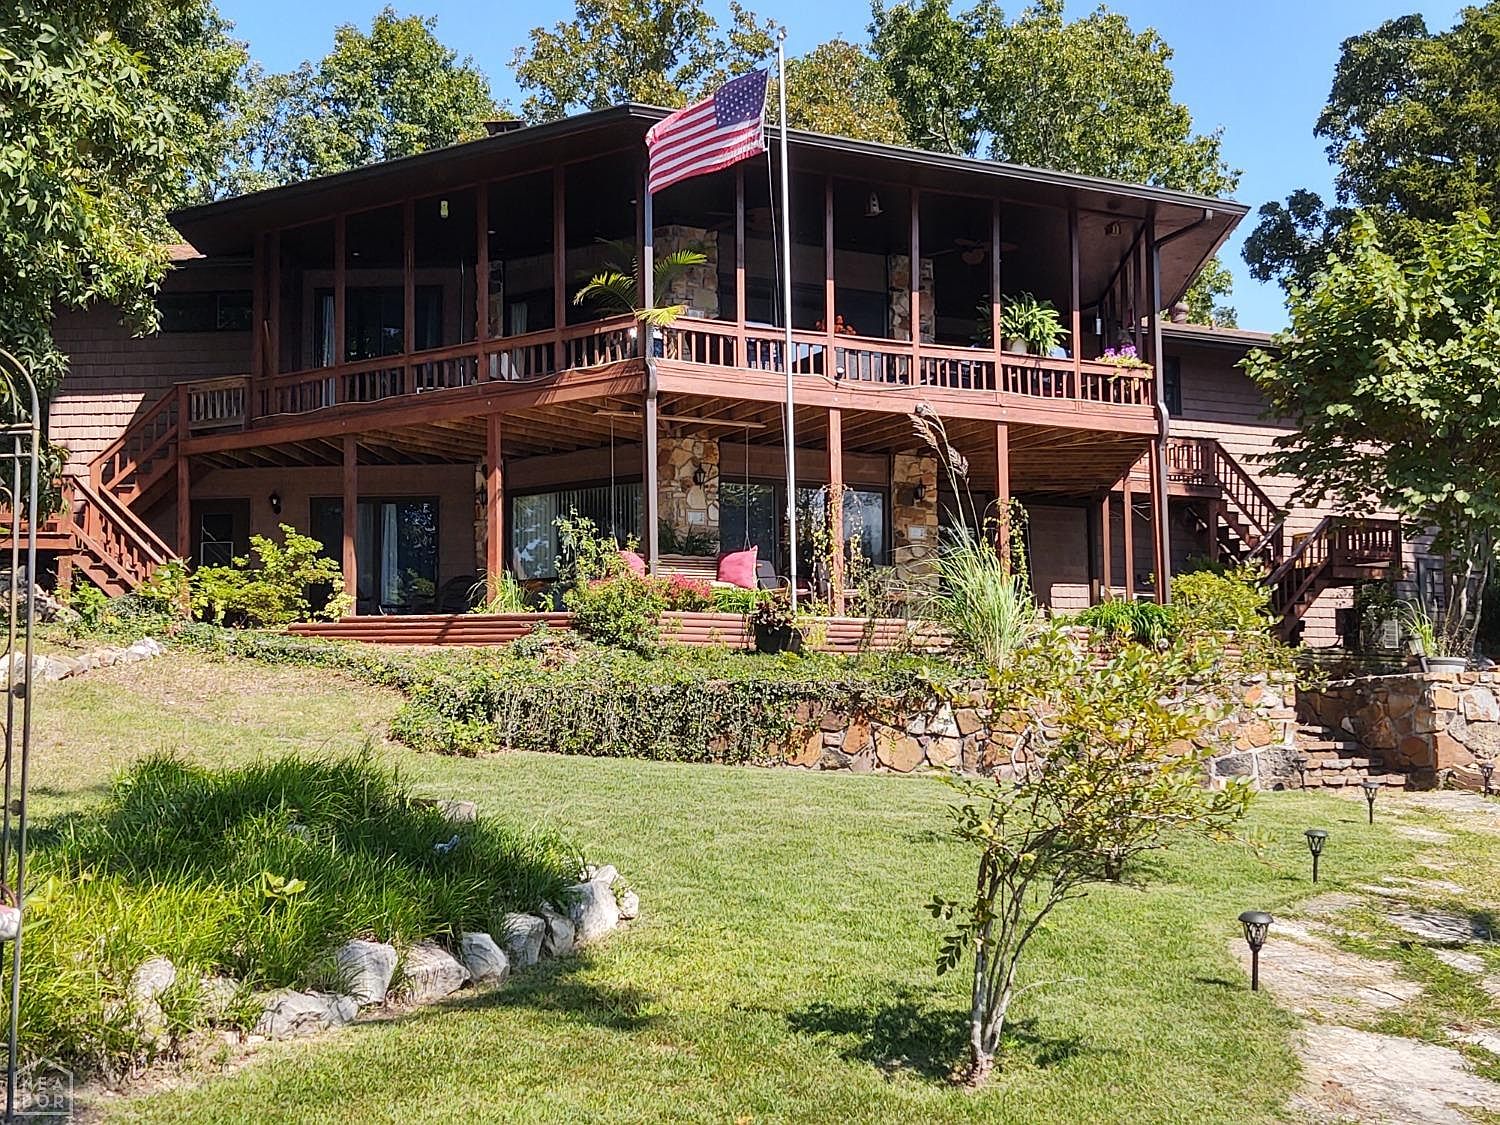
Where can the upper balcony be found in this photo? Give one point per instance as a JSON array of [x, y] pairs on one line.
[[461, 268]]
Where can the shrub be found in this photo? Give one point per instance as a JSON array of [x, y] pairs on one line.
[[509, 596], [272, 591], [1236, 600], [168, 590], [735, 599], [622, 610], [687, 595], [1143, 622], [258, 873], [986, 606]]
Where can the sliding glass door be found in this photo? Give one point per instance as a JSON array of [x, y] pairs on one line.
[[395, 546], [751, 514]]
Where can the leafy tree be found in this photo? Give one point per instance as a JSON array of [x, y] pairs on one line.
[[1109, 765], [1391, 372], [1090, 95], [1413, 127], [837, 88], [105, 122], [660, 52], [392, 92]]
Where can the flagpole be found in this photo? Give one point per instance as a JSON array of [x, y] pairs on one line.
[[786, 317]]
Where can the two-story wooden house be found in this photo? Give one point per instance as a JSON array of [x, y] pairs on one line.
[[392, 359]]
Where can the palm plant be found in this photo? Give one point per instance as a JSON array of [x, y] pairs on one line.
[[614, 288]]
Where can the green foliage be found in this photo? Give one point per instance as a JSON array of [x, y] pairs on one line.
[[621, 610], [1412, 124], [1023, 317], [272, 590], [613, 290], [981, 600], [391, 92], [1391, 373], [256, 873], [676, 541], [1099, 776], [1145, 623], [1236, 600], [509, 595], [107, 111], [168, 590], [839, 89], [660, 52]]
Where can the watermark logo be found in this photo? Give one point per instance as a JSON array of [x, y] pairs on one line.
[[44, 1092]]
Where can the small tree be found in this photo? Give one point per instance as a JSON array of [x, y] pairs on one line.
[[1391, 373], [1108, 766], [614, 289]]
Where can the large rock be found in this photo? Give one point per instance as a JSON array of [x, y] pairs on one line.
[[151, 978], [431, 973], [593, 909], [630, 906], [485, 960], [289, 1013], [366, 968], [898, 751], [521, 937], [558, 939]]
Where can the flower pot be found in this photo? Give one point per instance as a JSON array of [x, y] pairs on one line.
[[1447, 663], [1019, 347], [777, 638]]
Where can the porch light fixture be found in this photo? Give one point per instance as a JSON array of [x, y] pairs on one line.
[[919, 492], [1256, 923], [1299, 763], [1486, 771], [442, 208], [1371, 788], [872, 206], [275, 499], [1112, 229], [1316, 838], [700, 476]]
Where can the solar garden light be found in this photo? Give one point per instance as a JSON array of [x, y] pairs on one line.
[[1486, 771], [1371, 788], [1299, 763], [1256, 923], [1316, 838]]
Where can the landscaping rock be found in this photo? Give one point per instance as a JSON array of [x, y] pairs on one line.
[[217, 996], [594, 910], [289, 1013], [366, 968], [485, 960], [1439, 926], [521, 937], [630, 906], [898, 751], [458, 812], [558, 938], [606, 874], [151, 978], [431, 973]]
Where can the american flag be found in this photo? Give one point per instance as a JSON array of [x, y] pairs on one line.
[[721, 130]]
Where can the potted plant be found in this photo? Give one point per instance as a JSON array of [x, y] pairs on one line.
[[1030, 326], [1124, 356], [774, 623], [1428, 643]]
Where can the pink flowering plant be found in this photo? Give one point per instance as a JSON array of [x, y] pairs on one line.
[[1123, 357]]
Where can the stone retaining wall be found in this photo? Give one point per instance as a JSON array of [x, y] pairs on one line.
[[1257, 741], [1433, 726]]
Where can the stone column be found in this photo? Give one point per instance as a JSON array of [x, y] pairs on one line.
[[688, 507], [914, 523]]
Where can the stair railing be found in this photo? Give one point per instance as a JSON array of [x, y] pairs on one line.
[[1259, 510]]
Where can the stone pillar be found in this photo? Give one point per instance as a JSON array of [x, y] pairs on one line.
[[698, 286], [914, 523], [898, 273], [689, 508]]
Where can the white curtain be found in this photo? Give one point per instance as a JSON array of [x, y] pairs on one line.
[[390, 569]]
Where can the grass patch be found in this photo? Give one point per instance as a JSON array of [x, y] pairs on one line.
[[256, 873]]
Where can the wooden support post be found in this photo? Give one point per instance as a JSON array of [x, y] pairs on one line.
[[915, 311], [996, 299], [742, 359], [559, 266], [649, 477], [409, 290], [830, 291], [258, 314], [494, 505], [1075, 338], [340, 289], [184, 506], [1160, 562], [1002, 492], [1128, 536], [481, 270], [351, 519], [1106, 547], [836, 510], [1161, 515], [273, 330], [1215, 505]]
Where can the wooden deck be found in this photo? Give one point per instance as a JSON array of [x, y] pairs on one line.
[[730, 630]]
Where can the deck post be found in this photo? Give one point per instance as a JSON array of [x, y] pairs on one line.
[[742, 357], [830, 293], [835, 512], [481, 274], [340, 289], [1106, 548], [273, 325], [1159, 561], [649, 471], [1075, 336], [408, 292], [1002, 492], [996, 300], [1160, 512], [184, 506], [1128, 536], [351, 519], [494, 506], [1214, 505], [914, 314], [559, 267]]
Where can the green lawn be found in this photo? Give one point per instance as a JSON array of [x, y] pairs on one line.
[[783, 966]]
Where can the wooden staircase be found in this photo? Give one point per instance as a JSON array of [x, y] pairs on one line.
[[1339, 551]]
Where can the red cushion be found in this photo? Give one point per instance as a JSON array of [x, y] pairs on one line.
[[738, 568], [634, 562]]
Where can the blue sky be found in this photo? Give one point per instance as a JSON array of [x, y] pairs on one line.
[[1258, 70]]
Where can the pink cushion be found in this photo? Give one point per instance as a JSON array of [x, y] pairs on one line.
[[738, 568], [634, 562]]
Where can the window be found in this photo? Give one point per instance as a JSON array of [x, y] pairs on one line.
[[395, 546], [226, 311], [373, 316], [533, 521], [1171, 377], [750, 515]]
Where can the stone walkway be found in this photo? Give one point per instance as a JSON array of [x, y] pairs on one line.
[[1351, 1071]]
